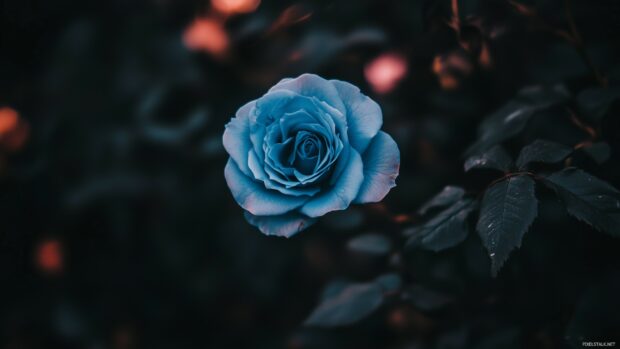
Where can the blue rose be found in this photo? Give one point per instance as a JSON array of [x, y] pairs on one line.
[[308, 147]]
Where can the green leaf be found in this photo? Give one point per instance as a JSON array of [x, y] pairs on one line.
[[594, 102], [495, 158], [510, 120], [445, 230], [542, 151], [599, 152], [347, 306], [508, 209], [588, 199], [448, 195], [375, 244]]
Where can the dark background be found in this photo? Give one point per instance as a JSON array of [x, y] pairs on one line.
[[117, 229]]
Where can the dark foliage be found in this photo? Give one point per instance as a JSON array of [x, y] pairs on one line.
[[117, 229]]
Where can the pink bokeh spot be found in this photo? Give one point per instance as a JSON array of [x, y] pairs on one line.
[[208, 35], [230, 7], [385, 72]]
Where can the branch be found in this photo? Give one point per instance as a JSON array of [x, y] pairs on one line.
[[580, 46]]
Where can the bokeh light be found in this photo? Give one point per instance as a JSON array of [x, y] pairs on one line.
[[9, 118], [14, 131], [450, 68], [485, 59], [49, 256], [208, 35], [231, 7], [385, 72]]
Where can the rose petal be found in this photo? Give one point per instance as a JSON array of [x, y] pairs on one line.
[[285, 225], [364, 116], [292, 122], [381, 165], [260, 174], [236, 137], [344, 190], [254, 197], [325, 114], [312, 85], [268, 109], [271, 106]]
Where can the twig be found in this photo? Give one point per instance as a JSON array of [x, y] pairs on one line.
[[455, 12], [573, 37], [531, 13], [580, 46], [513, 174], [455, 21], [582, 125]]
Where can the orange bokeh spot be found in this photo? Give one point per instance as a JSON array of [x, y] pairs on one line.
[[14, 131], [438, 64], [448, 82], [401, 218], [205, 34], [49, 256], [450, 68], [385, 72], [399, 318], [295, 56], [230, 7], [9, 119], [485, 56]]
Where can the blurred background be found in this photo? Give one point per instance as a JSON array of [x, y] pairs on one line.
[[117, 229]]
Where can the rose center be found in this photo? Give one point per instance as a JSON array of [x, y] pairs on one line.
[[309, 148], [306, 152]]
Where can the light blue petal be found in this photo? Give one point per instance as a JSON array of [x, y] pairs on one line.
[[313, 128], [340, 120], [311, 85], [340, 156], [381, 165], [276, 159], [285, 225], [267, 110], [254, 197], [340, 195], [364, 116], [289, 121], [271, 106], [259, 172], [331, 118], [302, 162], [257, 136], [236, 137], [280, 178], [256, 166], [323, 165], [278, 153]]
